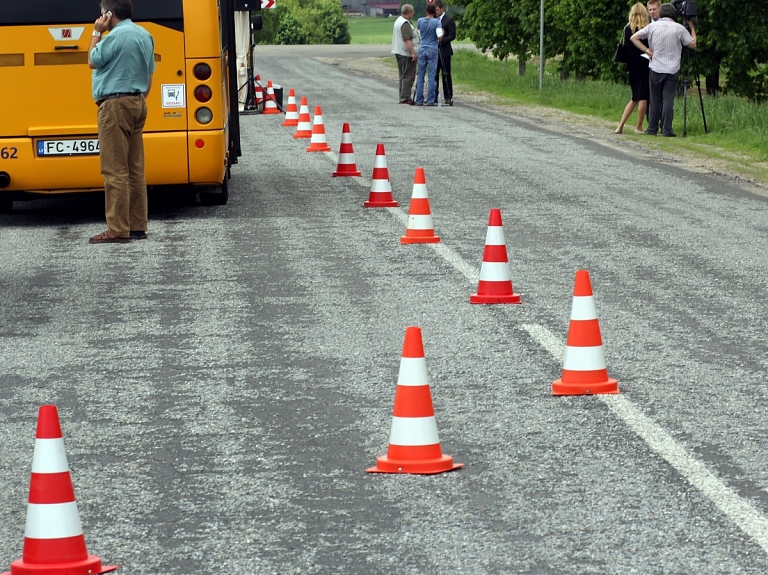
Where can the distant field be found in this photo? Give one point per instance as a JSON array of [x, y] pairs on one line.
[[373, 30], [370, 30]]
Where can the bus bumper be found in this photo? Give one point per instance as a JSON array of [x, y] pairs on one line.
[[174, 158]]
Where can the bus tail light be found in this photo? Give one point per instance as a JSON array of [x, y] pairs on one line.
[[199, 143], [203, 93], [203, 115], [202, 71], [5, 179]]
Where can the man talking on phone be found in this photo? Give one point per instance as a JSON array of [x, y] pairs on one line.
[[123, 63]]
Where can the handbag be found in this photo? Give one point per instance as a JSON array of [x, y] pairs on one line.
[[620, 56]]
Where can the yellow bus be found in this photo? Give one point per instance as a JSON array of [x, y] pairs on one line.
[[48, 119]]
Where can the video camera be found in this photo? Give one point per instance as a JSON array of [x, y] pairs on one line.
[[686, 9]]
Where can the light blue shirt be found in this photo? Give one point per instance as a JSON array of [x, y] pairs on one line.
[[428, 30], [124, 59]]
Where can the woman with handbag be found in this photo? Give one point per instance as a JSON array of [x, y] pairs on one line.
[[637, 66]]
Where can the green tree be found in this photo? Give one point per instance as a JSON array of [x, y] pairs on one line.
[[419, 8], [503, 27], [290, 31], [588, 32], [731, 37], [270, 24], [304, 22], [329, 14]]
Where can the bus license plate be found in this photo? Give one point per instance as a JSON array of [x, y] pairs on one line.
[[67, 147]]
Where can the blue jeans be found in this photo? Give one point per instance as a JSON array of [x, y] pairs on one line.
[[428, 66], [663, 88]]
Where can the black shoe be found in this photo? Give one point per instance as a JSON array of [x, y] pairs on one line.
[[649, 133], [670, 135], [449, 102], [138, 235], [418, 104], [410, 102], [432, 104]]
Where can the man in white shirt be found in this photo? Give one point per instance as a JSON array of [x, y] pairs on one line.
[[403, 48], [666, 39]]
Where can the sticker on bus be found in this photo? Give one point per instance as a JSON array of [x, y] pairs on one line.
[[67, 147], [173, 95]]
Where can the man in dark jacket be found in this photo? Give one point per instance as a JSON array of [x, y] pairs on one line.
[[445, 52]]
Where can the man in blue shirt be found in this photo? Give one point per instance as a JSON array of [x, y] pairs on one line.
[[123, 63], [430, 30]]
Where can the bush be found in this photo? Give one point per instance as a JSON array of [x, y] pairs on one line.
[[305, 22], [290, 31]]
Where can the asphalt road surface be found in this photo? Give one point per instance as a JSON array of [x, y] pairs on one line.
[[223, 385]]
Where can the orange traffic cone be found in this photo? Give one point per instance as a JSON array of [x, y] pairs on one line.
[[318, 143], [381, 190], [291, 111], [419, 229], [270, 106], [53, 540], [495, 285], [347, 165], [304, 127], [584, 370], [259, 93], [414, 446]]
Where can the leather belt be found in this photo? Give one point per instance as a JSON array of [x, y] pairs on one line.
[[100, 101]]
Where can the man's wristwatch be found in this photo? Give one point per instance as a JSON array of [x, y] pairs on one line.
[[97, 34]]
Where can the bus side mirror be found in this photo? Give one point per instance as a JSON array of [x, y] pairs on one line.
[[257, 22]]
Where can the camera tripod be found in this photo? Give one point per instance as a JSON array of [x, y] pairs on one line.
[[689, 61]]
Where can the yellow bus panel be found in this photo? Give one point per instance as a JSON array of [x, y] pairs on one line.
[[207, 164], [199, 15], [165, 158]]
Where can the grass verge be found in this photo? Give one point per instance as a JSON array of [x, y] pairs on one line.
[[374, 30]]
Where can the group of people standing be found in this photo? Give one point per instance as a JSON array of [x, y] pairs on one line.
[[426, 48], [654, 44]]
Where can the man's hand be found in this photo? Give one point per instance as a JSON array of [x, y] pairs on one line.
[[692, 45], [102, 23]]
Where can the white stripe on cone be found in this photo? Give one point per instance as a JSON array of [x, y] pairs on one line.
[[413, 371], [271, 98], [584, 358], [420, 222], [304, 126], [412, 431], [52, 521], [345, 159], [318, 137], [583, 307], [419, 191], [494, 236], [292, 114], [49, 456], [380, 186], [494, 272]]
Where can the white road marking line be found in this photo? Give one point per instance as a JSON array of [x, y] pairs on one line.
[[750, 520], [449, 255], [740, 511]]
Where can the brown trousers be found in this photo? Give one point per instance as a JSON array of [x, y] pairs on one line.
[[121, 148]]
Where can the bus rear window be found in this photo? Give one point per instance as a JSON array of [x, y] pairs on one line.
[[28, 12]]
